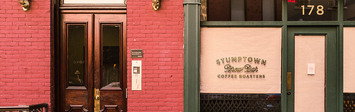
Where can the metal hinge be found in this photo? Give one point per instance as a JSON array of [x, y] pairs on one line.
[[126, 93]]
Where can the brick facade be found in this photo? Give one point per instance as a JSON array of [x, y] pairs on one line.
[[160, 35], [24, 53]]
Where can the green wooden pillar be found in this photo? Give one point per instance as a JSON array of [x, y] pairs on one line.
[[191, 55]]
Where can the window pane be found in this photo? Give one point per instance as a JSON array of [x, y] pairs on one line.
[[76, 54], [242, 10], [110, 65], [237, 10], [349, 10], [306, 97], [268, 10], [219, 10], [240, 79], [312, 10], [348, 69]]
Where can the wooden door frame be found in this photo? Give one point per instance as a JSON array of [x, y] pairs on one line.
[[55, 18]]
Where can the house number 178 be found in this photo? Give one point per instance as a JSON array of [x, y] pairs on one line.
[[320, 10]]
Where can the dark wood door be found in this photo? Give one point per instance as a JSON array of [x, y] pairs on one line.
[[93, 62]]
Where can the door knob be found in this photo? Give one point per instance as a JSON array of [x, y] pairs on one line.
[[97, 97]]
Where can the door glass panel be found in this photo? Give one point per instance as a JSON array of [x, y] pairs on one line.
[[309, 73], [312, 10], [76, 54], [110, 52]]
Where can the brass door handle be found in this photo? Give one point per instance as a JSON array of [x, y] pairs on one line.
[[289, 83], [289, 80], [96, 100]]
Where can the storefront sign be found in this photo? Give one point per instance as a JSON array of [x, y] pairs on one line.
[[240, 72], [238, 60]]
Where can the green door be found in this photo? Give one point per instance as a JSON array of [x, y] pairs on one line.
[[311, 69]]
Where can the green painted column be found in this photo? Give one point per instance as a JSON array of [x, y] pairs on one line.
[[191, 55]]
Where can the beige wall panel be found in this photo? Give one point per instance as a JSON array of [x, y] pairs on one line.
[[309, 88], [349, 60], [261, 43]]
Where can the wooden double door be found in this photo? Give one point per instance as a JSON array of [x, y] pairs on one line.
[[92, 62]]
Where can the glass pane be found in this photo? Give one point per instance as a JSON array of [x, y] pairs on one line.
[[349, 10], [310, 73], [242, 10], [348, 69], [76, 54], [110, 65], [312, 10], [259, 71]]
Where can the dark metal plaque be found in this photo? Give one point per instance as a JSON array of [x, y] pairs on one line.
[[136, 53]]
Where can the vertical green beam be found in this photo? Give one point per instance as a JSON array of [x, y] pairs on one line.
[[284, 69], [284, 58], [340, 55], [191, 55]]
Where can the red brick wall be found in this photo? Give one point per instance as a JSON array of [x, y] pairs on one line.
[[160, 35], [24, 53]]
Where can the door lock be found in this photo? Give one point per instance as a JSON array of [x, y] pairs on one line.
[[288, 93]]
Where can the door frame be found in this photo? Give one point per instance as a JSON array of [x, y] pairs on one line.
[[56, 11], [332, 93]]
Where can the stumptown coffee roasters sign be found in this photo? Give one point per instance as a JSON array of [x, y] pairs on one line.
[[243, 71], [239, 60]]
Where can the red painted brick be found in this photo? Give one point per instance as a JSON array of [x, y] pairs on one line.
[[19, 52]]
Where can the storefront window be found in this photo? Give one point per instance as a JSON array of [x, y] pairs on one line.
[[349, 10], [241, 10], [312, 10], [240, 70], [348, 69]]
